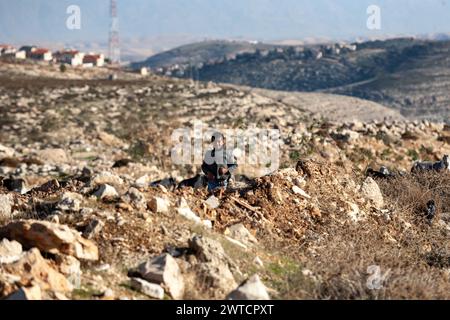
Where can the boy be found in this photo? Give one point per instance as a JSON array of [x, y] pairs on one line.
[[218, 164]]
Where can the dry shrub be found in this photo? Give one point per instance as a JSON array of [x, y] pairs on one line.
[[411, 193], [415, 253]]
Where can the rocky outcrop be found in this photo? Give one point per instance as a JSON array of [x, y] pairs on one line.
[[164, 270], [372, 192], [50, 237], [251, 289], [32, 268]]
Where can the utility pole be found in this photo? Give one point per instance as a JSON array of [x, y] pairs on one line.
[[114, 44]]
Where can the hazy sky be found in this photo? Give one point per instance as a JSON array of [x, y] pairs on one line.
[[45, 20]]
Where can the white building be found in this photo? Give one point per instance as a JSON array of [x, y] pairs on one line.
[[20, 55], [71, 57], [41, 54], [6, 49], [97, 60]]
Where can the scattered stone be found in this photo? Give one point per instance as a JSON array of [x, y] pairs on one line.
[[371, 191], [251, 289], [70, 202], [93, 228], [53, 156], [164, 270], [240, 233], [50, 237], [142, 182], [212, 202], [106, 192], [159, 205], [136, 198], [152, 290], [299, 191], [10, 251], [354, 213], [185, 211], [27, 293], [6, 203], [106, 178]]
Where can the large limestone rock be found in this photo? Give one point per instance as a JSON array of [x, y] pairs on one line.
[[208, 250], [106, 177], [70, 202], [32, 268], [106, 192], [252, 289], [216, 276], [6, 203], [159, 205], [10, 251], [371, 191], [152, 290], [93, 228], [50, 237], [214, 267], [185, 211], [164, 270]]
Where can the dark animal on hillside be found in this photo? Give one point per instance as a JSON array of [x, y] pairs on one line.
[[383, 173], [431, 210], [14, 185], [122, 163], [169, 183], [198, 182], [442, 165]]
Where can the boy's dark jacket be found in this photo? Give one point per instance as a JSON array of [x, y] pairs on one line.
[[211, 164]]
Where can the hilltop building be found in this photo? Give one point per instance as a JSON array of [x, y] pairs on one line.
[[41, 54], [70, 57], [95, 60]]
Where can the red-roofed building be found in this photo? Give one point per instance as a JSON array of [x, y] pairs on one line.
[[72, 57], [41, 54], [97, 60], [6, 49]]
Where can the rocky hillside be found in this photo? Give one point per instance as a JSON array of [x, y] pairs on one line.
[[410, 76], [201, 52], [79, 218]]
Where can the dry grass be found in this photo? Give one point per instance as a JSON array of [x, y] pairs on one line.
[[415, 254]]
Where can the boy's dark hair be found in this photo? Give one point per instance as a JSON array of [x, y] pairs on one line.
[[217, 135]]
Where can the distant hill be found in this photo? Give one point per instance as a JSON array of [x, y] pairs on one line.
[[209, 51], [407, 74]]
